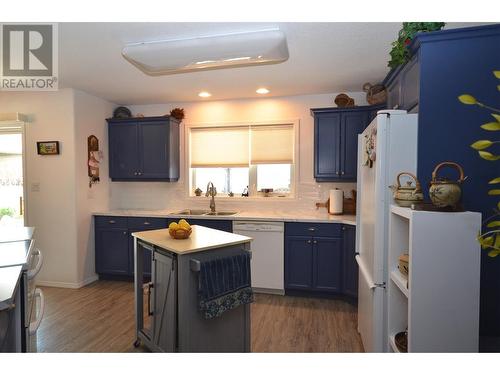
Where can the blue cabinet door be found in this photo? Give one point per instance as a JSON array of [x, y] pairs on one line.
[[298, 263], [327, 264], [111, 251], [153, 150], [123, 150], [327, 146], [350, 279], [353, 124]]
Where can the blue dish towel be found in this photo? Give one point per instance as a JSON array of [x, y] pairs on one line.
[[224, 284]]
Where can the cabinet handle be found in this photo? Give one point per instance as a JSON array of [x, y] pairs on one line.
[[315, 242], [112, 221], [147, 223], [396, 106], [308, 241], [312, 229], [342, 173], [135, 173], [337, 173], [139, 173], [124, 232], [343, 228]]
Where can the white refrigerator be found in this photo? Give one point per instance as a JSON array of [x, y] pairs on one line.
[[386, 147]]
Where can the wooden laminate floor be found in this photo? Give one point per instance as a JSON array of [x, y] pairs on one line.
[[100, 318]]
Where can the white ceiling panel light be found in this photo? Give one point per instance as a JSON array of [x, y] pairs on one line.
[[208, 52]]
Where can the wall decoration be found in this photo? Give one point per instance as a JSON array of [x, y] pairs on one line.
[[93, 158], [47, 148]]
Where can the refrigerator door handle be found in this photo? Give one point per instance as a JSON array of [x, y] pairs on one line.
[[366, 275]]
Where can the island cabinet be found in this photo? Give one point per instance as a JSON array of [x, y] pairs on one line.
[[114, 244], [318, 259], [168, 318], [336, 141], [143, 149]]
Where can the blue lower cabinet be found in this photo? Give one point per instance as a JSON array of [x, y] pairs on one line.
[[327, 261], [114, 247], [111, 247], [298, 263], [320, 264]]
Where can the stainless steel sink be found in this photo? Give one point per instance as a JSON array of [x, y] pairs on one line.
[[191, 212], [204, 213], [222, 213]]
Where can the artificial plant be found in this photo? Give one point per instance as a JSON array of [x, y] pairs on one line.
[[490, 239], [400, 53]]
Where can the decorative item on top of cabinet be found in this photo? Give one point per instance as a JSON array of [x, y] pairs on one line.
[[375, 94], [177, 113], [405, 196], [122, 112], [445, 193], [344, 100], [93, 158]]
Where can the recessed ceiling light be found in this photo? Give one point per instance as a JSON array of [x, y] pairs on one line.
[[204, 94], [262, 90]]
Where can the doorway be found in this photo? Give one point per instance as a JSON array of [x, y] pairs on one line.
[[12, 196]]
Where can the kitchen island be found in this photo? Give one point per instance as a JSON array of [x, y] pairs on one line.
[[168, 316]]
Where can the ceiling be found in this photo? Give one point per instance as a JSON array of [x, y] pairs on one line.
[[324, 58]]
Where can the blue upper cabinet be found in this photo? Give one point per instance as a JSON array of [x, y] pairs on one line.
[[144, 149], [336, 141]]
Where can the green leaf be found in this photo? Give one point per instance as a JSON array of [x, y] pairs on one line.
[[493, 224], [467, 99], [496, 73], [498, 205], [497, 117], [498, 87], [481, 145], [488, 156], [493, 253], [491, 126], [486, 242], [495, 181], [494, 192]]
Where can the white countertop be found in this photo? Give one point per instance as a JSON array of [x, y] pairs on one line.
[[319, 216], [201, 239]]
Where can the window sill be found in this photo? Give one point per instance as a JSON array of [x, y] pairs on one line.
[[243, 199]]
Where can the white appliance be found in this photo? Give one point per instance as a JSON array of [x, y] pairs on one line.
[[394, 138], [268, 256], [208, 52]]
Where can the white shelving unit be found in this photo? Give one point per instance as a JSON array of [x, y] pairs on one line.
[[439, 302]]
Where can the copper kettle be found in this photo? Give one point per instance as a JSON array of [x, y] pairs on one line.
[[444, 192]]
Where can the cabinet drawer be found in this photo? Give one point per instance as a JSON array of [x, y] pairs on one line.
[[111, 221], [146, 222], [313, 229]]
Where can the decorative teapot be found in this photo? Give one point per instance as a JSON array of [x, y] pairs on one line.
[[405, 196], [444, 192]]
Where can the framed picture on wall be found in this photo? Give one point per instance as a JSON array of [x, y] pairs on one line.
[[48, 148]]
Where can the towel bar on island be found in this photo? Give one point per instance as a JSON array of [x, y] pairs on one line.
[[195, 264]]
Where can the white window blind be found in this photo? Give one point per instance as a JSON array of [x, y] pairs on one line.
[[272, 144], [219, 147]]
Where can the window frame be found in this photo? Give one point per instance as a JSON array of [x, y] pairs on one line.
[[252, 174]]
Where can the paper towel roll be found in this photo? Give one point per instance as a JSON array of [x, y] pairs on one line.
[[336, 201]]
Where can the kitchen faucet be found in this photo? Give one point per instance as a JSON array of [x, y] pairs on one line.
[[212, 191]]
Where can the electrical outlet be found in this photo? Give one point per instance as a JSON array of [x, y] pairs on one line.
[[35, 187]]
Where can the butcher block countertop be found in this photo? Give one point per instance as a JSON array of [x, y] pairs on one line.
[[201, 239]]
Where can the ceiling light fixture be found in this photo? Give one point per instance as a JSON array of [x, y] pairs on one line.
[[208, 52], [204, 94], [262, 91]]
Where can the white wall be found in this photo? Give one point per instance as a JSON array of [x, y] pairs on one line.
[[174, 195], [90, 119], [60, 211], [51, 210]]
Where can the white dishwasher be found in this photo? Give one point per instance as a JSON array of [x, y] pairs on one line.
[[268, 256]]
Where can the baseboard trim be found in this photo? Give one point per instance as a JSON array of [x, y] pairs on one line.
[[60, 284]]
